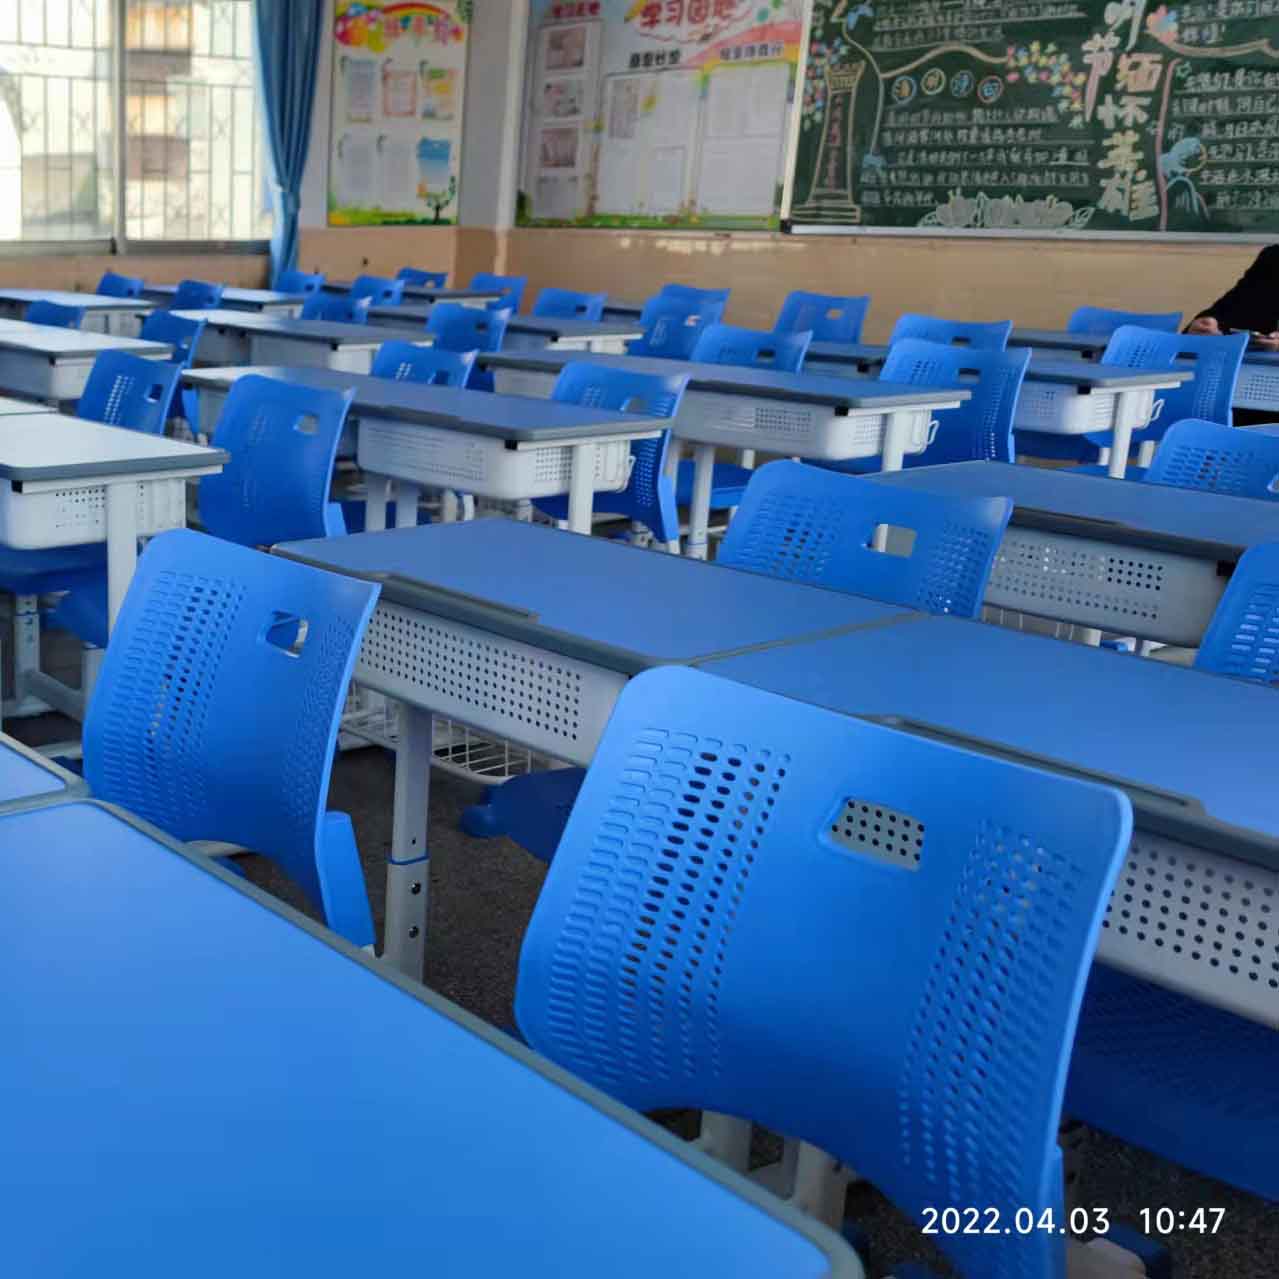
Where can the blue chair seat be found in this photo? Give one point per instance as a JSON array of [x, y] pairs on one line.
[[52, 569], [728, 484], [532, 810]]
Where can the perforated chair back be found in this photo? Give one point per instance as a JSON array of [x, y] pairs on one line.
[[649, 496], [751, 348], [811, 525], [282, 440], [126, 390], [341, 308], [932, 328], [467, 328], [293, 281], [1242, 640], [1217, 459], [408, 362], [687, 293], [1098, 319], [427, 279], [54, 314], [512, 287], [982, 427], [379, 290], [828, 317], [216, 711], [565, 304], [1215, 362], [861, 938], [181, 334], [196, 295], [112, 285], [672, 326]]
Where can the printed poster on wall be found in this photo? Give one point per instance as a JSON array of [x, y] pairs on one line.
[[399, 79], [658, 113]]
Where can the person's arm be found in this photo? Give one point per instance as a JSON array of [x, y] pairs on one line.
[[1253, 302]]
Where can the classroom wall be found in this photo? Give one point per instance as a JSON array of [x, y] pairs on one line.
[[81, 272]]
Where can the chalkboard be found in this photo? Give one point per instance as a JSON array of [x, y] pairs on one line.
[[1041, 115]]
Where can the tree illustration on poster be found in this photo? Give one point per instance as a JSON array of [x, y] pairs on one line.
[[399, 83], [658, 113], [1041, 115]]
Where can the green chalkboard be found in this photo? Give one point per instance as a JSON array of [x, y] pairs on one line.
[[1035, 115]]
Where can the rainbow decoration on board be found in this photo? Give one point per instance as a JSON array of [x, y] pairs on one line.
[[366, 24]]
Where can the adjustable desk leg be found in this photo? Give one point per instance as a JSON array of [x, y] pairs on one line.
[[404, 944], [122, 543], [377, 488], [699, 506], [581, 488], [1121, 433], [406, 499], [896, 432]]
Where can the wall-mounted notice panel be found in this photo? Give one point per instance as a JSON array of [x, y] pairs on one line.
[[1041, 115], [666, 113], [399, 81]]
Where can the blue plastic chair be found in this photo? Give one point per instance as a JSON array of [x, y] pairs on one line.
[[216, 712], [183, 336], [1217, 459], [299, 282], [377, 289], [112, 285], [126, 390], [672, 326], [340, 308], [648, 497], [512, 287], [197, 295], [54, 314], [467, 328], [1097, 319], [827, 316], [1242, 640], [751, 348], [426, 279], [568, 305], [931, 328], [864, 939], [408, 362]]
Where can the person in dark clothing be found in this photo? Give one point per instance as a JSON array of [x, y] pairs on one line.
[[1253, 304]]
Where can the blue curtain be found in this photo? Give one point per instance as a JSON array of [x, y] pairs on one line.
[[288, 49]]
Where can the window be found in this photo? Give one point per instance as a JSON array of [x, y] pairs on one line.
[[194, 167]]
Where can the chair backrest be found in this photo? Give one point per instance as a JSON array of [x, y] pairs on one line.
[[810, 525], [54, 314], [112, 285], [378, 290], [216, 711], [932, 328], [862, 938], [341, 308], [197, 295], [428, 279], [751, 348], [181, 334], [828, 317], [1215, 362], [672, 326], [294, 281], [1242, 640], [1217, 459], [982, 427], [126, 390], [467, 328], [687, 293], [568, 305], [1098, 319], [282, 440], [512, 287], [408, 362]]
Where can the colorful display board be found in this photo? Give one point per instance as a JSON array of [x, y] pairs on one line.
[[658, 113], [1041, 115], [399, 82]]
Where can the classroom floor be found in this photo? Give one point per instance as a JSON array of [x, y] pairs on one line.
[[482, 894]]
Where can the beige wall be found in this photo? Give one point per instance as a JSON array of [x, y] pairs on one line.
[[1033, 282], [342, 252], [80, 273]]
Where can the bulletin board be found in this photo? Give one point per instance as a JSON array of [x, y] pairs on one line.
[[1152, 117], [399, 84], [658, 113]]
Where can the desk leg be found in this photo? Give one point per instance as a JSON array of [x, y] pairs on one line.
[[404, 944], [674, 452], [699, 504], [1120, 438], [122, 544], [581, 488], [406, 499], [377, 488], [895, 438]]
